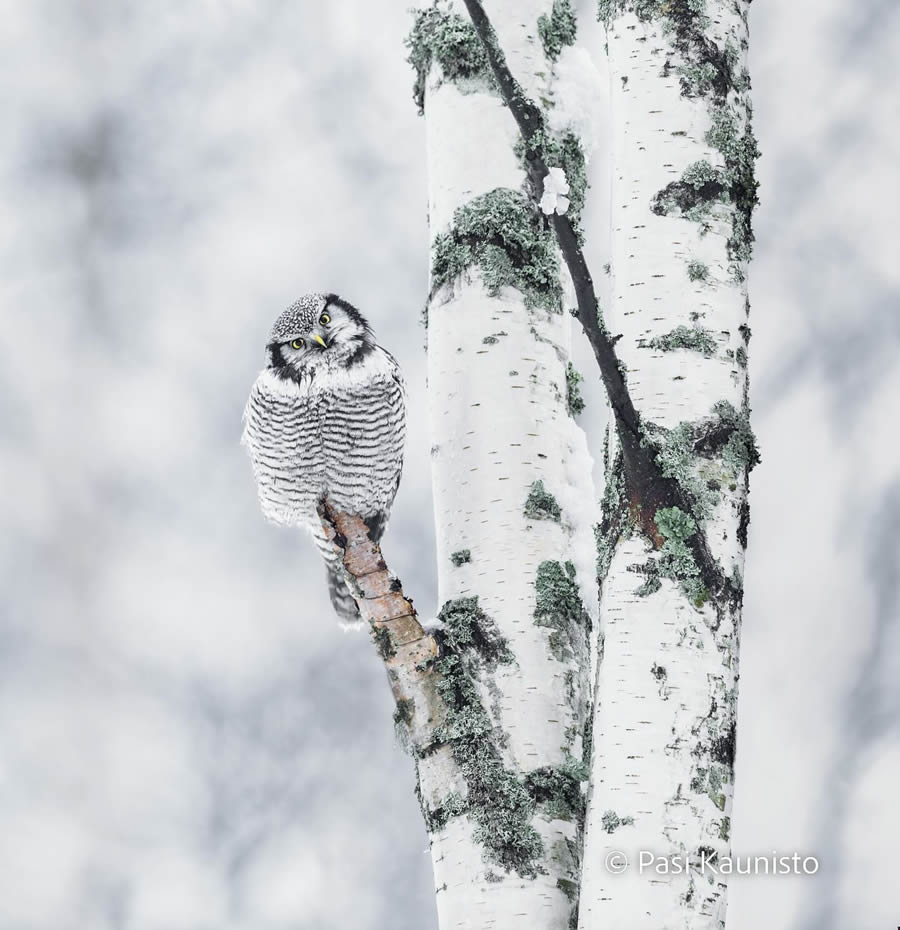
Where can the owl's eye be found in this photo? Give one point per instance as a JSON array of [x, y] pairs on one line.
[[324, 319], [297, 344]]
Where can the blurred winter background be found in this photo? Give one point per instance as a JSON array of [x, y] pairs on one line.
[[188, 741]]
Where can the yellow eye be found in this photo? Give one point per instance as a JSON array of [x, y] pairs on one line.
[[324, 319], [297, 344]]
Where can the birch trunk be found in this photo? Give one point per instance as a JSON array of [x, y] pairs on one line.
[[664, 731], [512, 488]]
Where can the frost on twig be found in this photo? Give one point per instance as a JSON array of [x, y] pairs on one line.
[[556, 188]]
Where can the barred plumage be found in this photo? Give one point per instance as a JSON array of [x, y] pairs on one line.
[[326, 418]]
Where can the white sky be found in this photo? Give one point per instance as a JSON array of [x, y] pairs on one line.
[[188, 741]]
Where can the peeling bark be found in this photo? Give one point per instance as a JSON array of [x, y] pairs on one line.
[[406, 649]]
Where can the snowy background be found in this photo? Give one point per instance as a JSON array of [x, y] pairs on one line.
[[188, 741]]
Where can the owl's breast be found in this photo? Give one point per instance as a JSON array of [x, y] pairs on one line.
[[340, 435], [363, 432]]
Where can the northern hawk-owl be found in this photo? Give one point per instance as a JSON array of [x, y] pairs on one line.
[[326, 418]]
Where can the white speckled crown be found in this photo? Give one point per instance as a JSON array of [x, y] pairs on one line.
[[299, 318]]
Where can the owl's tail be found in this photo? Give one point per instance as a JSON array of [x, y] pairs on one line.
[[341, 598]]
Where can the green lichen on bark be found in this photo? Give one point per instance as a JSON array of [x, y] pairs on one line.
[[607, 10], [703, 455], [611, 821], [674, 523], [558, 606], [693, 196], [461, 557], [558, 29], [587, 734], [676, 455], [557, 789], [383, 643], [574, 400], [467, 627], [740, 452], [450, 41], [693, 338], [507, 239], [436, 818], [650, 586], [740, 151], [497, 802], [613, 512], [676, 561], [559, 794], [697, 271], [541, 504], [710, 781]]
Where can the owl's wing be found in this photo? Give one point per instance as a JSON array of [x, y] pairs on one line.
[[396, 397], [393, 367], [285, 450]]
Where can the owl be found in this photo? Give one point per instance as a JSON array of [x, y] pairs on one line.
[[326, 418]]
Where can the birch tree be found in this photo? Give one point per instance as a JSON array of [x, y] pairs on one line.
[[683, 190], [496, 705], [512, 480]]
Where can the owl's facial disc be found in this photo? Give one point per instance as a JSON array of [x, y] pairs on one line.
[[321, 333]]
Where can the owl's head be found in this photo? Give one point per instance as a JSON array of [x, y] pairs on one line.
[[319, 330]]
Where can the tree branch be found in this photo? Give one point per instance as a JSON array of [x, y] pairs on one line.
[[406, 649], [437, 682]]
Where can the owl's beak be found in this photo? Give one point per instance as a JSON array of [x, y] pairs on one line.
[[320, 340]]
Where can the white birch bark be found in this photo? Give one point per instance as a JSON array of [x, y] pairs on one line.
[[498, 400], [662, 774]]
